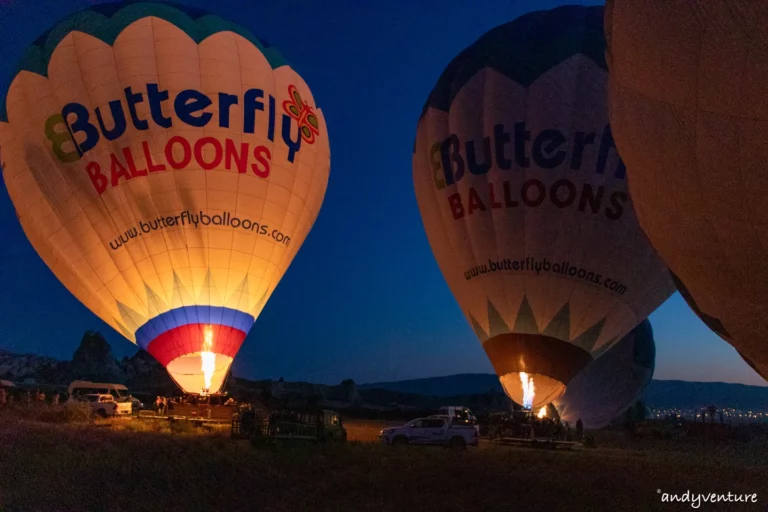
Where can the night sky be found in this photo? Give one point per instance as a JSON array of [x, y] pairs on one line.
[[364, 298]]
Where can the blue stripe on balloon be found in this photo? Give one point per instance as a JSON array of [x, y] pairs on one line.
[[214, 315]]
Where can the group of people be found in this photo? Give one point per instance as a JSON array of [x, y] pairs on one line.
[[7, 398], [163, 405]]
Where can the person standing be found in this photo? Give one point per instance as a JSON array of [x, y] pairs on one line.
[[55, 398], [159, 406], [579, 428], [3, 397]]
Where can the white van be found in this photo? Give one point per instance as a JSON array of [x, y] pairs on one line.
[[83, 387]]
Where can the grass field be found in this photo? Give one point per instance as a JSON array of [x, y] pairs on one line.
[[138, 466]]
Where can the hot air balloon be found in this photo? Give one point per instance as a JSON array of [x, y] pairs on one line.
[[166, 165], [689, 110], [606, 388], [524, 201], [714, 324]]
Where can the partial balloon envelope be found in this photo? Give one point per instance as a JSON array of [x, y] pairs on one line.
[[715, 325], [689, 106], [167, 166], [603, 390], [524, 201]]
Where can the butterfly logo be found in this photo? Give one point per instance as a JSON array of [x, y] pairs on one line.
[[302, 113]]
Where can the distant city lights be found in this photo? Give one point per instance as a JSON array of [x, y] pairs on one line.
[[729, 415]]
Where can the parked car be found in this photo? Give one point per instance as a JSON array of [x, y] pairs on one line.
[[434, 430], [105, 405]]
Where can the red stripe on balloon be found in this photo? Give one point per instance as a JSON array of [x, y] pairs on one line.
[[188, 339]]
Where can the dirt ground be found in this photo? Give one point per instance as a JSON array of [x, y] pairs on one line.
[[137, 466], [368, 430]]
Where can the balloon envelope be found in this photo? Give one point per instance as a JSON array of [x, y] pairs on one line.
[[607, 387], [166, 165], [715, 325], [524, 200], [689, 109]]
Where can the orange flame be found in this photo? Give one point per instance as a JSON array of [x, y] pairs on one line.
[[528, 390], [208, 358]]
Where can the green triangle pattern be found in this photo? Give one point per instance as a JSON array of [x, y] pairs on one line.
[[525, 323], [478, 330], [131, 319], [560, 326], [496, 323], [588, 338]]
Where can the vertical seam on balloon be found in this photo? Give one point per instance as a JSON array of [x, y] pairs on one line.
[[524, 213], [439, 214], [152, 202], [206, 180], [113, 146], [99, 199], [212, 175], [571, 334], [247, 297], [264, 205], [575, 328], [464, 223], [280, 272], [243, 293], [486, 116], [506, 299], [264, 202], [237, 196], [286, 258], [575, 331], [177, 192]]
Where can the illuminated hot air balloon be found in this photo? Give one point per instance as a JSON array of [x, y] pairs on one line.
[[167, 166], [689, 107], [525, 205], [609, 386]]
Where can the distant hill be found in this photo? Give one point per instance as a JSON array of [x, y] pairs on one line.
[[659, 395], [667, 394], [93, 360]]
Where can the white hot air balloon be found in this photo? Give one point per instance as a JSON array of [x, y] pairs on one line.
[[166, 165], [524, 201]]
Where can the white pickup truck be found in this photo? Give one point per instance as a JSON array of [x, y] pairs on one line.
[[105, 405], [434, 430]]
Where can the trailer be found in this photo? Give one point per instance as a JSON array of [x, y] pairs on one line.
[[547, 443], [523, 428], [308, 425]]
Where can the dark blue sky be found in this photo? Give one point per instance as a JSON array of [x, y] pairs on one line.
[[364, 297]]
